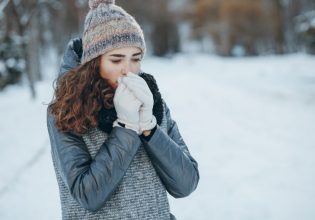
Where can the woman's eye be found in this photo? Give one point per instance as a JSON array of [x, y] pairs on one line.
[[136, 60], [115, 61]]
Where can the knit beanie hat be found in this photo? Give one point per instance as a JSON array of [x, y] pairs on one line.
[[107, 27]]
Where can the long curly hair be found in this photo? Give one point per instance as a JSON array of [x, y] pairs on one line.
[[79, 96]]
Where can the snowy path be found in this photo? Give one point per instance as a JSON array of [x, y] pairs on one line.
[[249, 122]]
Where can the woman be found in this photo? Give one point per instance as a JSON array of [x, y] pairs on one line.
[[115, 148]]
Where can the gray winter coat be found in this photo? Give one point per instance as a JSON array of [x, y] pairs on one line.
[[92, 181]]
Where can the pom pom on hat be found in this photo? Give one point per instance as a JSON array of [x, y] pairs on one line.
[[94, 3]]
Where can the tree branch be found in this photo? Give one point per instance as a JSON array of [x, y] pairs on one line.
[[3, 5]]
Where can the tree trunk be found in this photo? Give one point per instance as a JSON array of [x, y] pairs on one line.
[[279, 28], [22, 31], [33, 49], [29, 75]]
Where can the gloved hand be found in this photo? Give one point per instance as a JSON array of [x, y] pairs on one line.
[[127, 107], [141, 90], [72, 56]]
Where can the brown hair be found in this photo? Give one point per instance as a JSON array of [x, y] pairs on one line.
[[79, 96]]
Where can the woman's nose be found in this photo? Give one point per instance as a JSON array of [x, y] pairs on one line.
[[126, 68]]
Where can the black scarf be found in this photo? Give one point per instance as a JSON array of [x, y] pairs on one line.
[[106, 117]]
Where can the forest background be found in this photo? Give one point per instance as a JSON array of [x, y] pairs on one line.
[[32, 29]]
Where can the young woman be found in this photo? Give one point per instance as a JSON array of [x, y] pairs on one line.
[[115, 148]]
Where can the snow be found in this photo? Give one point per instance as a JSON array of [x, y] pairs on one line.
[[306, 21], [11, 62], [3, 4], [249, 122]]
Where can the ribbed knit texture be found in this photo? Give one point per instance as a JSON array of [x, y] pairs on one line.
[[140, 195], [107, 27]]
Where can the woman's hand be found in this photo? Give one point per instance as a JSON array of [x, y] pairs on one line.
[[127, 107], [138, 86]]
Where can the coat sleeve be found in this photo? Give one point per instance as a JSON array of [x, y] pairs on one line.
[[171, 159], [92, 181]]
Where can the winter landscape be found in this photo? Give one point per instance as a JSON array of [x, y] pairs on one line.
[[249, 122]]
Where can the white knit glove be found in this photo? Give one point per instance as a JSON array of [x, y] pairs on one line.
[[141, 90], [127, 107]]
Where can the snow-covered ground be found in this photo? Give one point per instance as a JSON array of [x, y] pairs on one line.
[[249, 122]]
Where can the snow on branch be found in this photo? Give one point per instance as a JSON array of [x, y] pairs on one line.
[[2, 6]]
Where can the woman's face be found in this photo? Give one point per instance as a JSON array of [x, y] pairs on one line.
[[119, 62]]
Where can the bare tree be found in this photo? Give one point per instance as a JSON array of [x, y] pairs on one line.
[[259, 26], [24, 24]]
